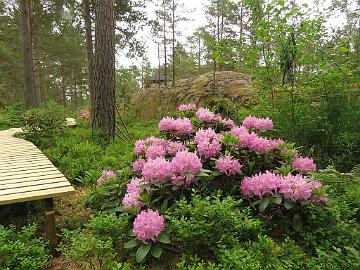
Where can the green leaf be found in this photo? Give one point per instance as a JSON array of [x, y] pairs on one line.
[[289, 204], [163, 238], [142, 251], [276, 200], [297, 222], [164, 205], [132, 243], [202, 174], [264, 203], [131, 232], [156, 251]]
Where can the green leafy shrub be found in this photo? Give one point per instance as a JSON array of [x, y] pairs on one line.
[[48, 117], [205, 223], [98, 245], [22, 250], [11, 116]]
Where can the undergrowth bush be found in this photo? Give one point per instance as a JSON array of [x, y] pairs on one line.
[[22, 250]]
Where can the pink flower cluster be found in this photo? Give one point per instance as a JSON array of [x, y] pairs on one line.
[[304, 164], [138, 165], [179, 126], [208, 142], [252, 141], [292, 187], [157, 170], [148, 225], [174, 147], [141, 146], [228, 165], [205, 115], [258, 123], [105, 175], [84, 115], [187, 107], [185, 166], [132, 196]]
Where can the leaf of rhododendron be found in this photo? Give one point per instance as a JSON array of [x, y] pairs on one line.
[[264, 203], [276, 200], [163, 238], [156, 251], [297, 222], [131, 232], [289, 204], [142, 251], [132, 243]]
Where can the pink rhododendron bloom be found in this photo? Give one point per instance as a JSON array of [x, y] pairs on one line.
[[187, 107], [208, 142], [292, 187], [228, 165], [148, 225], [174, 147], [295, 187], [155, 151], [185, 165], [141, 146], [84, 115], [179, 126], [157, 170], [253, 141], [205, 115], [260, 184], [258, 123], [304, 164], [138, 165], [217, 118], [132, 197], [131, 200], [106, 175], [228, 122]]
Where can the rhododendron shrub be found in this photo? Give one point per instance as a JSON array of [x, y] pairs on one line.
[[202, 152]]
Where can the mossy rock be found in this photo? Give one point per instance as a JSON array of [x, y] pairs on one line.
[[157, 100]]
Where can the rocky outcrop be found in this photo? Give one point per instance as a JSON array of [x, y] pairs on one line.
[[156, 101]]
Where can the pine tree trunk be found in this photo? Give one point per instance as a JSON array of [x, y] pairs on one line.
[[31, 98], [89, 51], [103, 117], [173, 42], [165, 54], [199, 55]]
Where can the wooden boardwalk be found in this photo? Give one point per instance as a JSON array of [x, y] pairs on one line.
[[26, 174]]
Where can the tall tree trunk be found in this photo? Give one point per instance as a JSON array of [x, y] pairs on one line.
[[89, 51], [159, 64], [241, 33], [63, 86], [103, 117], [199, 55], [173, 42], [31, 98], [74, 94], [165, 55], [45, 90]]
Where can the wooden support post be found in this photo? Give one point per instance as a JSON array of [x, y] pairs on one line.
[[50, 225]]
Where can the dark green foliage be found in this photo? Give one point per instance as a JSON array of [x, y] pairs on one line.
[[44, 119], [98, 244], [22, 250], [205, 223], [11, 116]]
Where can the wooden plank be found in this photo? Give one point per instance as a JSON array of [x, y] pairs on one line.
[[25, 168], [36, 195], [21, 159], [24, 180], [32, 177], [33, 183], [33, 188], [30, 170], [9, 164]]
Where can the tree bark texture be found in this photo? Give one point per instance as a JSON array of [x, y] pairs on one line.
[[89, 51], [165, 53], [173, 42], [31, 98], [103, 117]]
